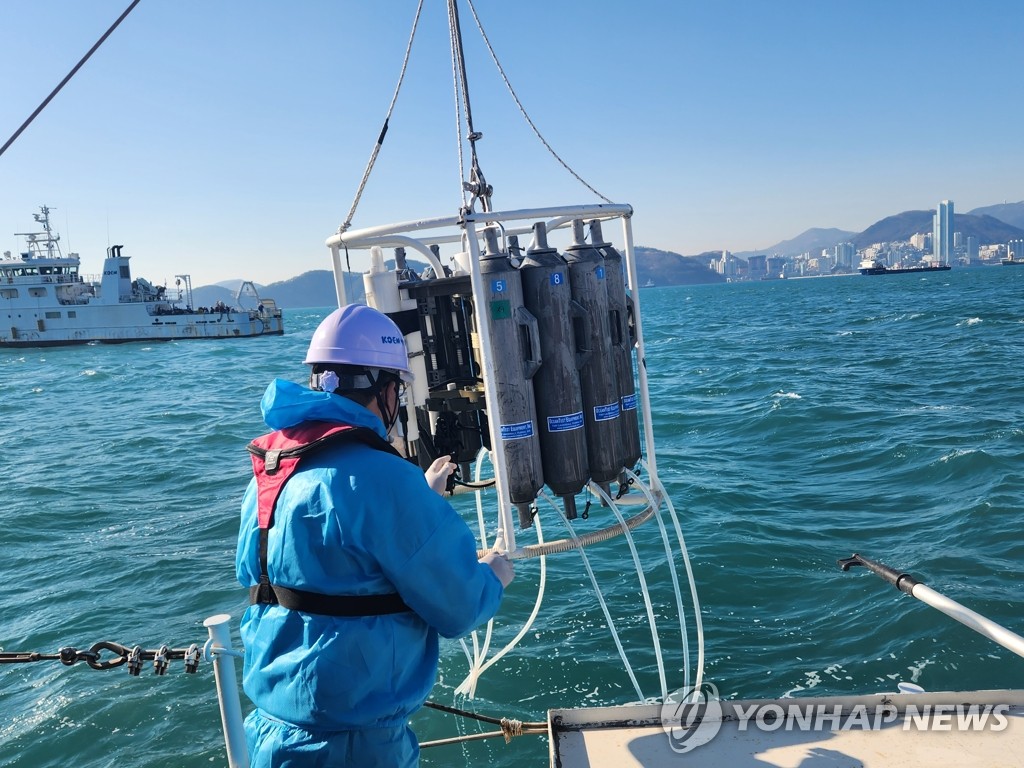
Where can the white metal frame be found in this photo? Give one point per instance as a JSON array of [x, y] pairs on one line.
[[467, 230]]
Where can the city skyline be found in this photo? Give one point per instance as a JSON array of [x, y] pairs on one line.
[[943, 245], [232, 148]]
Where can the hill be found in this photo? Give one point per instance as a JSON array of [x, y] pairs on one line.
[[1011, 213], [987, 229], [310, 289], [209, 295], [814, 240], [902, 226], [668, 268], [316, 288]]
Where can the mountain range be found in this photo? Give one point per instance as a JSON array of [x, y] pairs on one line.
[[990, 225]]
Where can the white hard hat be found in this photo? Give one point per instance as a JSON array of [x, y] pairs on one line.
[[360, 336]]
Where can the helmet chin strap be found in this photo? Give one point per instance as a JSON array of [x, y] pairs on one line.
[[387, 415]]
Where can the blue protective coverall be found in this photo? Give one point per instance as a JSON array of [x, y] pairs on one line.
[[351, 521]]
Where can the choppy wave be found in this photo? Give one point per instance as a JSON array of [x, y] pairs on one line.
[[797, 422]]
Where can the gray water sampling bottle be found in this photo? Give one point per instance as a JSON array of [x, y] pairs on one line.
[[622, 348], [515, 346], [556, 386], [597, 375]]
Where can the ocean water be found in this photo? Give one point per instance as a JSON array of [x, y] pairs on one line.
[[796, 422]]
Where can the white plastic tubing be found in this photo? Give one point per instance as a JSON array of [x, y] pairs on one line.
[[477, 657]]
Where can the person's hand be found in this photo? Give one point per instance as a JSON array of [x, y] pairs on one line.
[[438, 472], [501, 566]]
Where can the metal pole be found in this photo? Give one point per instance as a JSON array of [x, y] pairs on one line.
[[218, 647], [994, 632], [904, 582], [641, 353], [339, 276]]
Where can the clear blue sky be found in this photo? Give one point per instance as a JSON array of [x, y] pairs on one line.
[[226, 138]]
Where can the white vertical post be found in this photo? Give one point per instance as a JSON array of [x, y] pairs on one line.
[[506, 527], [219, 648], [641, 355], [339, 275]]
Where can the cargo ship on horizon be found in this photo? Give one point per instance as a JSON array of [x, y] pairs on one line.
[[876, 267]]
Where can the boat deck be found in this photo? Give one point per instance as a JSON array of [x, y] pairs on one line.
[[891, 730]]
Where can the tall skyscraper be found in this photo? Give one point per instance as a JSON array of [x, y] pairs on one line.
[[844, 254], [942, 232], [972, 248]]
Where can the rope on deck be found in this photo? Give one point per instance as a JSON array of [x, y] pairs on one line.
[[510, 727]]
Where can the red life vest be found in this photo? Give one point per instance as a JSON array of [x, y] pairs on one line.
[[275, 458]]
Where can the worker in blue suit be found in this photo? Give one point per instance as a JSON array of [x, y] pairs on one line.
[[354, 560]]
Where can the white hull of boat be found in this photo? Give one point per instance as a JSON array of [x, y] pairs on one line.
[[82, 324], [45, 302], [910, 731]]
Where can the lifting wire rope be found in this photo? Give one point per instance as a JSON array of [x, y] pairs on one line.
[[477, 183], [522, 109], [463, 188], [68, 76], [384, 129]]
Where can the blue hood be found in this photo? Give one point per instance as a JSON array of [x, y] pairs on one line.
[[287, 404]]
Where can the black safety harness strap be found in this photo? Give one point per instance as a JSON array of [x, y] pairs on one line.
[[345, 606]]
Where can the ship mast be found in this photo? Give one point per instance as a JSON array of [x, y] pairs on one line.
[[38, 241]]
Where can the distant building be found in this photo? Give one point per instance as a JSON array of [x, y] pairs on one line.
[[972, 248], [844, 254], [731, 267], [1015, 249], [942, 232], [757, 266], [919, 241]]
